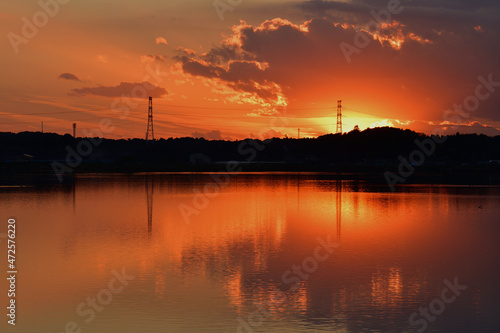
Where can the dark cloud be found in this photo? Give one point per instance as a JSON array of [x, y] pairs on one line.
[[474, 127], [450, 128], [305, 62], [223, 53], [124, 89], [420, 16], [243, 76], [69, 76]]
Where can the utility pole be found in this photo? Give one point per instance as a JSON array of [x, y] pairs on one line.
[[42, 127], [74, 130], [150, 121], [339, 116]]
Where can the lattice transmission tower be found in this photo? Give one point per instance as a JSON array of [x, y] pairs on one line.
[[150, 134], [339, 116]]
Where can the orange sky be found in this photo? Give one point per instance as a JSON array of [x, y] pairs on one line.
[[257, 67]]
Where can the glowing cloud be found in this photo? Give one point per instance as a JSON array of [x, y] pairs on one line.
[[161, 40], [102, 58]]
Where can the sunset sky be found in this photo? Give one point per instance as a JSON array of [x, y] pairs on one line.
[[232, 69]]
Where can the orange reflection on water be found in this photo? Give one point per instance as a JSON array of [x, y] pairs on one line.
[[234, 291], [387, 288], [233, 253]]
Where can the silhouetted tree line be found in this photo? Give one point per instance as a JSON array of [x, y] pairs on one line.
[[356, 150]]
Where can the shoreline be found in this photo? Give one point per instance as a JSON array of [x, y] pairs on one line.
[[13, 174]]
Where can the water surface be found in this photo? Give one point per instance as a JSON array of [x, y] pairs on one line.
[[213, 254]]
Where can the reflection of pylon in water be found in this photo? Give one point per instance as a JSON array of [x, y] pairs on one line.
[[339, 209], [149, 196]]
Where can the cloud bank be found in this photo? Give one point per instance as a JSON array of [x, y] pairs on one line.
[[124, 89], [411, 65]]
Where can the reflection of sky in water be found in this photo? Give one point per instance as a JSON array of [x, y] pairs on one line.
[[396, 250]]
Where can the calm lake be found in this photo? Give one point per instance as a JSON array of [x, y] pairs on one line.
[[252, 253]]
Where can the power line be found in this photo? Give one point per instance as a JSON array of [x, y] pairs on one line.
[[178, 114], [169, 124]]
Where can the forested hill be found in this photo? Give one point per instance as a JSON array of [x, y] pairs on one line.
[[379, 147]]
